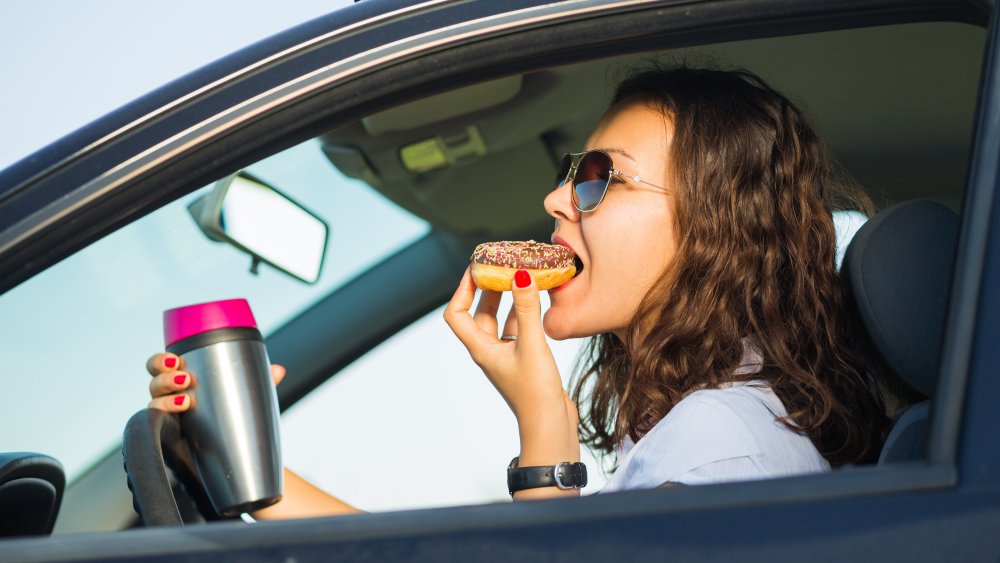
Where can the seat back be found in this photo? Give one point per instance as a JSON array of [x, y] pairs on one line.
[[31, 490], [898, 270]]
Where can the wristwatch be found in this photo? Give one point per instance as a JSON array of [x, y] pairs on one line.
[[565, 475]]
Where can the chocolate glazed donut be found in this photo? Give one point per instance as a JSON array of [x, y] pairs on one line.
[[494, 264]]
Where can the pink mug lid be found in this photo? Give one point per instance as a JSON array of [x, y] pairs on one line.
[[182, 322]]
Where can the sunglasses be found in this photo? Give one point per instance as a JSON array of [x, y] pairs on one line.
[[590, 173]]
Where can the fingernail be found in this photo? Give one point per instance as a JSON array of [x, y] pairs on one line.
[[170, 362], [180, 379], [522, 278], [179, 400]]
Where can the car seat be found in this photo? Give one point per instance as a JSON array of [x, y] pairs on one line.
[[31, 490], [898, 271]]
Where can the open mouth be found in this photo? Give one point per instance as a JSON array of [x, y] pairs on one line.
[[576, 258]]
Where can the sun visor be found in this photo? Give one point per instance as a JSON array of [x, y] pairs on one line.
[[444, 106]]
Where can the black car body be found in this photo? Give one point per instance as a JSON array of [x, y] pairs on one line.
[[320, 79]]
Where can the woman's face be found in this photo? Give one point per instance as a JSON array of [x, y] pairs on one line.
[[628, 241]]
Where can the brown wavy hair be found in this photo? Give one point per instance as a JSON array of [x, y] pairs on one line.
[[753, 194]]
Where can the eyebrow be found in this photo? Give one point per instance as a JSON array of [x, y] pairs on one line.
[[618, 151]]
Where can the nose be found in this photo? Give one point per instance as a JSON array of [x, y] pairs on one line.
[[559, 204]]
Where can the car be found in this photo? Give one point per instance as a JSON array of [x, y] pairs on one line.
[[415, 130]]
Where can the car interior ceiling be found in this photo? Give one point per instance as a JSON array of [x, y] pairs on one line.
[[895, 105]]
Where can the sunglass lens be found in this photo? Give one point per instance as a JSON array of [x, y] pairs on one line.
[[563, 173], [591, 182], [589, 194]]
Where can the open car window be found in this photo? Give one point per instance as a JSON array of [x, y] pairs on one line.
[[895, 103], [425, 155], [78, 335]]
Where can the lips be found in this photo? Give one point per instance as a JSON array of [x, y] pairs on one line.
[[580, 266]]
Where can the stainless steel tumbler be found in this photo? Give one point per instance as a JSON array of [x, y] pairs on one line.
[[232, 424]]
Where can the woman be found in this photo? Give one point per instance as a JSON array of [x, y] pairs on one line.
[[701, 213]]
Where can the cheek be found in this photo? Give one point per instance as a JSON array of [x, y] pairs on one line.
[[621, 282], [628, 253], [638, 250], [655, 256], [631, 262]]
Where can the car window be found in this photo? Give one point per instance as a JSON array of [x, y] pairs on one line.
[[76, 337]]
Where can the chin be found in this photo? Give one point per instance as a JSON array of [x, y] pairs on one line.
[[563, 325], [557, 326]]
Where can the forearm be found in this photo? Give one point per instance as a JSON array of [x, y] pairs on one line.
[[302, 499], [548, 437]]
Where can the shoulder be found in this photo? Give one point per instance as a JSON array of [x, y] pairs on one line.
[[714, 435], [700, 429], [710, 425], [753, 404]]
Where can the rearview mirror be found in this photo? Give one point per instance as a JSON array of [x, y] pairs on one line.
[[271, 227]]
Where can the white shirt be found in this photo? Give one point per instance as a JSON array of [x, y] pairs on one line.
[[714, 436]]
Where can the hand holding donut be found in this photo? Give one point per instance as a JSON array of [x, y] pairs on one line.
[[523, 370]]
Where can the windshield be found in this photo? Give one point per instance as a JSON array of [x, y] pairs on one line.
[[76, 337]]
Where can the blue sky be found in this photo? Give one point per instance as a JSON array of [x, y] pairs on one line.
[[65, 63]]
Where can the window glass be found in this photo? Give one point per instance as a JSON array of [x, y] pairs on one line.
[[76, 337]]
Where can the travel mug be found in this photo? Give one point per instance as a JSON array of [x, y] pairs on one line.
[[232, 424]]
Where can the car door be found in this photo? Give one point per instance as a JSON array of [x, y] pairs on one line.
[[391, 53]]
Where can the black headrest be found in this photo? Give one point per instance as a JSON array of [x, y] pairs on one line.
[[31, 490], [899, 270]]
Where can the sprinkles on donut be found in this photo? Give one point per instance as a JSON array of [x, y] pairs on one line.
[[494, 264]]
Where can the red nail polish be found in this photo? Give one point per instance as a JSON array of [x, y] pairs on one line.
[[180, 379], [170, 362], [522, 278], [179, 400]]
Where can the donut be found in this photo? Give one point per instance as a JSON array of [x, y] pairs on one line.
[[494, 264]]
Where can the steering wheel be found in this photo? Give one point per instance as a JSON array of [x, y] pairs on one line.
[[151, 443]]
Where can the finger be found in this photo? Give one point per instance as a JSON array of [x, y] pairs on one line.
[[171, 403], [486, 311], [169, 383], [162, 363], [456, 314], [510, 325], [277, 373], [527, 308]]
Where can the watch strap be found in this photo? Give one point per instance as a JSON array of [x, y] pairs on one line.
[[565, 475]]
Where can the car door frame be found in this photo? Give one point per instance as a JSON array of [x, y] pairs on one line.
[[914, 494]]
